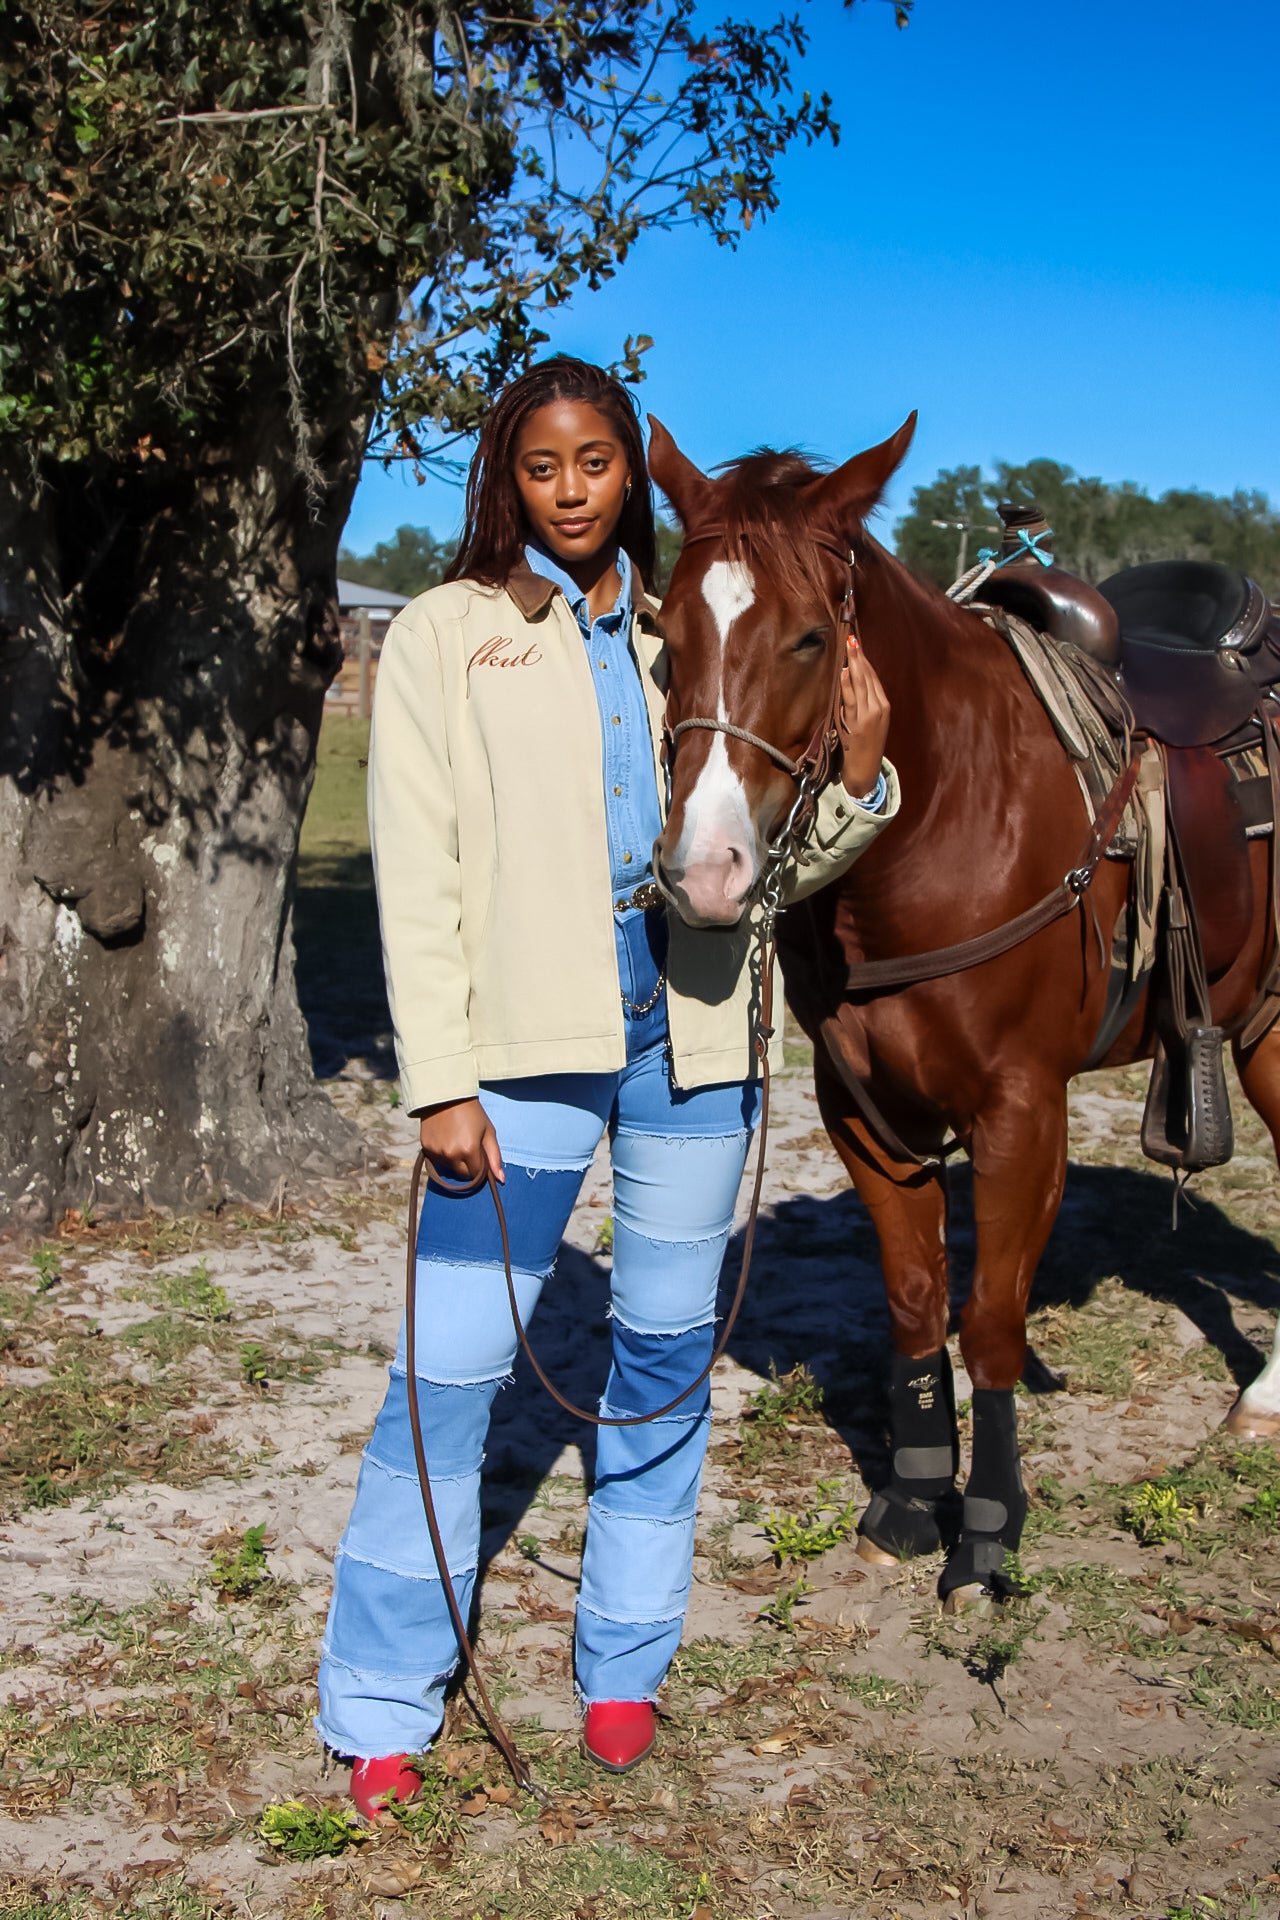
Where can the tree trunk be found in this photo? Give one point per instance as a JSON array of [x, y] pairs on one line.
[[157, 746]]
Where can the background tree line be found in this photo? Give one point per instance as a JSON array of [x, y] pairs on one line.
[[1099, 526], [414, 559]]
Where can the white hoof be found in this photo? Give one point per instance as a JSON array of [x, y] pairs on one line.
[[873, 1555], [1251, 1423], [971, 1599]]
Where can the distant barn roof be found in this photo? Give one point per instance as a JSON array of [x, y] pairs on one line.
[[352, 596]]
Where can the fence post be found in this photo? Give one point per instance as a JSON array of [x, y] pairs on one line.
[[364, 627]]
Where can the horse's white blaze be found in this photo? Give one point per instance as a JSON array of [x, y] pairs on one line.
[[716, 815], [728, 589]]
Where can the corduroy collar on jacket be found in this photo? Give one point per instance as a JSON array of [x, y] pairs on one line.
[[533, 593]]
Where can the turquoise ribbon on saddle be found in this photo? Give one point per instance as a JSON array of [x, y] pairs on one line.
[[1028, 543]]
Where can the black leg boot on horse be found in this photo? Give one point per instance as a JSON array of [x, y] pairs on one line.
[[995, 1505], [903, 1518]]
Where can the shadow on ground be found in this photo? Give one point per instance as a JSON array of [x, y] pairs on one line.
[[816, 1297]]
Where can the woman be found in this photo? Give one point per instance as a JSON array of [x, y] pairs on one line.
[[540, 998]]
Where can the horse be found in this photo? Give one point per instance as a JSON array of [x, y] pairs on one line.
[[991, 818]]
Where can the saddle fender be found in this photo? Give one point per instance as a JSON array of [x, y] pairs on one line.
[[1213, 850]]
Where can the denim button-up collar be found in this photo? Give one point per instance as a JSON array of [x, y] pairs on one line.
[[632, 812]]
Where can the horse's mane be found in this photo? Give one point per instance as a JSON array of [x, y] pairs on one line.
[[765, 518]]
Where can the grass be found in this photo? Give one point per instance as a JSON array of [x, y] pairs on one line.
[[724, 1664], [185, 1693], [89, 1425], [31, 1897], [876, 1693]]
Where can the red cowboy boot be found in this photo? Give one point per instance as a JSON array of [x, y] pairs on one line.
[[374, 1782], [618, 1734]]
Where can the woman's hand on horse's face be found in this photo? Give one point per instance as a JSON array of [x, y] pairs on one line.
[[459, 1141], [862, 721]]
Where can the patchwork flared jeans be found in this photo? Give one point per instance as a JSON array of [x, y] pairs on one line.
[[678, 1158]]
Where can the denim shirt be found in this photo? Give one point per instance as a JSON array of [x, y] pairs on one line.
[[633, 817], [632, 813]]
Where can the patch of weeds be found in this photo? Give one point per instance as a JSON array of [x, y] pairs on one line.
[[529, 1546], [813, 1532], [991, 1655], [192, 1293], [33, 1898], [47, 1262], [88, 1426], [879, 1695], [1237, 1697], [791, 1399], [725, 1664], [239, 1569], [1156, 1517], [779, 1610], [1206, 1497], [299, 1832], [1201, 1906], [335, 1230], [604, 1238], [253, 1364], [1048, 1506]]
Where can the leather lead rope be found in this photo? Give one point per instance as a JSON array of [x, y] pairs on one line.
[[764, 1030]]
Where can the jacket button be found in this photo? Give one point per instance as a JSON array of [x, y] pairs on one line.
[[617, 719], [618, 790], [626, 859], [603, 665]]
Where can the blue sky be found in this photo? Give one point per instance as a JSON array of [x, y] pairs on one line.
[[1051, 227]]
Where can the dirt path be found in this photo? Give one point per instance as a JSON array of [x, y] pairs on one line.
[[833, 1746]]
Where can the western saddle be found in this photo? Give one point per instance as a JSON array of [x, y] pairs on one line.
[[1194, 649]]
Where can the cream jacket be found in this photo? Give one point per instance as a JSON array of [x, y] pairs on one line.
[[486, 814]]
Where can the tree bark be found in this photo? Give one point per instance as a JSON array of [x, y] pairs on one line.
[[165, 648]]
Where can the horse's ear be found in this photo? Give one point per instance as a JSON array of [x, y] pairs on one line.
[[686, 488], [852, 490]]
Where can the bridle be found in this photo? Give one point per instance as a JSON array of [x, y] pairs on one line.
[[813, 769]]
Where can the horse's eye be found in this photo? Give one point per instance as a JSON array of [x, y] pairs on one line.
[[810, 643]]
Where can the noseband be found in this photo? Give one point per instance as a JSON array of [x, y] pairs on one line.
[[813, 768]]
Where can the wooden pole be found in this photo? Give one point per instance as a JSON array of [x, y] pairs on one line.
[[364, 627]]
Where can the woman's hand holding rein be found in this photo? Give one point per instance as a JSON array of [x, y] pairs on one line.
[[459, 1141]]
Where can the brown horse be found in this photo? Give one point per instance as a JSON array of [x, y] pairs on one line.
[[991, 819]]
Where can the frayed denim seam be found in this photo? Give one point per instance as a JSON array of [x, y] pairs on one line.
[[498, 1381], [678, 1139], [482, 1266], [582, 1702], [600, 1512], [377, 1673], [690, 1243], [534, 1167], [410, 1474], [659, 1333], [686, 1422], [629, 1619], [429, 1579]]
